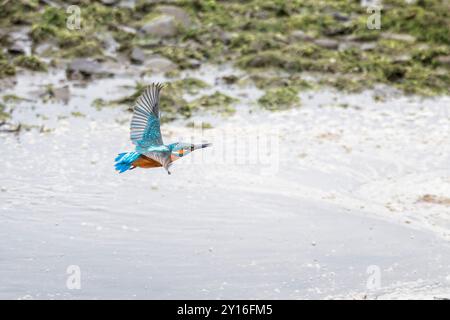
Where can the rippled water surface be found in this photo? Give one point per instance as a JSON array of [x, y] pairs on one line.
[[292, 204]]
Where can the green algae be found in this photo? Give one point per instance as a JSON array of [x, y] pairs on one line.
[[96, 19], [17, 12], [217, 103], [203, 125], [266, 81], [12, 98], [100, 103], [47, 24], [262, 44], [6, 69], [4, 115], [279, 99], [184, 57], [30, 62], [189, 85], [78, 114]]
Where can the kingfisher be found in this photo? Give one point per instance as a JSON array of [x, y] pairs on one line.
[[145, 134]]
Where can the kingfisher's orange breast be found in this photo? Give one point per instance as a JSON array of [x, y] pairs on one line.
[[146, 162]]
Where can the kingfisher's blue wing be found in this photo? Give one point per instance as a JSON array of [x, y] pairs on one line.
[[145, 125]]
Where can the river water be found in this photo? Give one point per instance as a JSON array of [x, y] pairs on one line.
[[312, 202]]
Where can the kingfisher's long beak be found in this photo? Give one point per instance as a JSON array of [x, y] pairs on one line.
[[204, 145], [200, 146]]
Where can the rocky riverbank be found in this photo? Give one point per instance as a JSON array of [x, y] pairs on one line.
[[282, 47]]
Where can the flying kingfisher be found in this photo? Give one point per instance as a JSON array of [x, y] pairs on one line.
[[146, 135]]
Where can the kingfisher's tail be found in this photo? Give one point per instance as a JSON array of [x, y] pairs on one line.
[[125, 160]]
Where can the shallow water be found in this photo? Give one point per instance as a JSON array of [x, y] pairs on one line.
[[293, 204]]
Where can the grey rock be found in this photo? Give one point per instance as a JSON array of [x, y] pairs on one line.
[[368, 46], [327, 43], [401, 59], [370, 3], [17, 48], [10, 127], [43, 49], [55, 4], [299, 35], [20, 41], [398, 37], [108, 43], [162, 26], [137, 56], [109, 2], [180, 15], [127, 29], [348, 45], [168, 23], [149, 42], [443, 60], [230, 79], [340, 17], [226, 37], [422, 46], [160, 64], [261, 14], [8, 83], [85, 69], [194, 63], [353, 37], [62, 94], [127, 4], [364, 46], [153, 2]]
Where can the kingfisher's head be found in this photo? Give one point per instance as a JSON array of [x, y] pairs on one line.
[[181, 149]]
